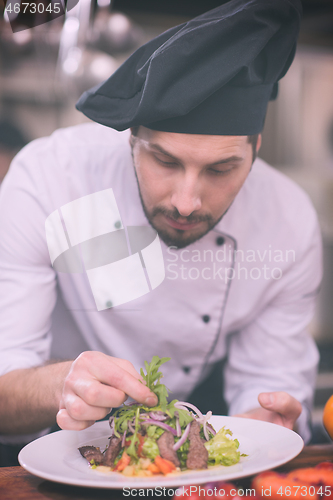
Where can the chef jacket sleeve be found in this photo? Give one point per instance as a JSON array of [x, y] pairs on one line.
[[275, 351], [28, 283]]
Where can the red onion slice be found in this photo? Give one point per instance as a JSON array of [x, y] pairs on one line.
[[159, 424], [178, 428], [205, 431], [181, 407], [156, 415], [211, 429], [203, 421], [188, 405], [123, 440], [182, 440]]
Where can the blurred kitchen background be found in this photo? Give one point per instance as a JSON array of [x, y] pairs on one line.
[[44, 69]]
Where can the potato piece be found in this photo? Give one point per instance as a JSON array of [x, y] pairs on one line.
[[144, 473], [129, 471], [144, 463]]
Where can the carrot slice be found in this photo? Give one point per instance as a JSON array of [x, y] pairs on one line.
[[164, 465], [140, 446], [153, 468], [123, 462]]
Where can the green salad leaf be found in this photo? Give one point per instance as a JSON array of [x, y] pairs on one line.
[[134, 438], [154, 432], [150, 448], [153, 377], [182, 453], [222, 450]]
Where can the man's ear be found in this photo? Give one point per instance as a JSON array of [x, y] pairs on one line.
[[259, 141]]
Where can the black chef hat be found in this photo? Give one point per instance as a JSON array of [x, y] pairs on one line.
[[212, 75]]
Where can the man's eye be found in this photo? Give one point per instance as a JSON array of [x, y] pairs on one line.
[[220, 172], [165, 162]]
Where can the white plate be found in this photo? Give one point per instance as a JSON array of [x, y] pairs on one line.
[[56, 456]]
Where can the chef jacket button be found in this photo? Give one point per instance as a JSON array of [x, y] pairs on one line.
[[117, 224], [206, 318], [220, 241], [108, 304], [186, 369]]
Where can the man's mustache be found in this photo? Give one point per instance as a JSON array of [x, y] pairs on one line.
[[175, 215]]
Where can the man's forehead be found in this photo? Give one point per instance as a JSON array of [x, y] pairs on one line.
[[176, 144]]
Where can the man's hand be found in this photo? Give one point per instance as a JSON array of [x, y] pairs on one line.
[[276, 407], [94, 385]]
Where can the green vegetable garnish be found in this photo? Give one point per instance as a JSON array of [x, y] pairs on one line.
[[222, 450], [152, 379], [144, 425], [134, 438], [154, 432], [150, 448]]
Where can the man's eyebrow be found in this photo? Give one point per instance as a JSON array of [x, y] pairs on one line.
[[161, 150], [230, 159]]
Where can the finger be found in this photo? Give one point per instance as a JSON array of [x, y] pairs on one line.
[[263, 414], [127, 365], [95, 393], [110, 373], [65, 422], [79, 410], [283, 403]]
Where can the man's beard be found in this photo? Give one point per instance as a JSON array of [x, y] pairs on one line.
[[179, 240]]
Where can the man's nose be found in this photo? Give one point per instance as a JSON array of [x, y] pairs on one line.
[[186, 196]]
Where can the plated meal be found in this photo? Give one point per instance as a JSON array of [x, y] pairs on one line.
[[166, 439], [203, 455]]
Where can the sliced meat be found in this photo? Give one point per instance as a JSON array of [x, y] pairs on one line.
[[92, 453], [165, 443], [112, 451], [197, 457]]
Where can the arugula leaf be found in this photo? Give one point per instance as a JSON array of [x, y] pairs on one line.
[[116, 433], [134, 438], [122, 416], [153, 377]]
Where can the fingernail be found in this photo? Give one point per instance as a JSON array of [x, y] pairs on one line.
[[267, 398], [151, 401]]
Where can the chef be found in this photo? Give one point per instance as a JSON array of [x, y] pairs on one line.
[[164, 236]]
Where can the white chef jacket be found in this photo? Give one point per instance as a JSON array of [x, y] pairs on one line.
[[254, 310]]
